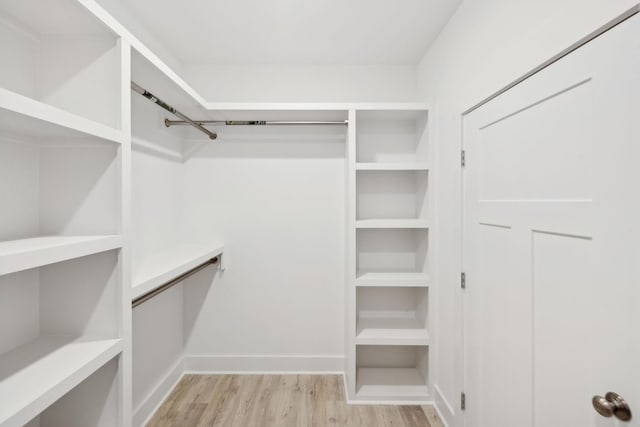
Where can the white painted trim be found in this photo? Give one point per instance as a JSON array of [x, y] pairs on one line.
[[443, 407], [391, 402], [272, 364], [150, 405]]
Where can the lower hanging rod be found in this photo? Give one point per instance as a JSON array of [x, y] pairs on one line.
[[169, 123], [171, 283], [186, 120]]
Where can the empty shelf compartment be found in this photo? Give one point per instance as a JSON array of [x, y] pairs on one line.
[[392, 316], [65, 63], [37, 374], [389, 252], [387, 373], [392, 137], [392, 195]]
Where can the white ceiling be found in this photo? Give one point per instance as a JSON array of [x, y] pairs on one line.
[[328, 32]]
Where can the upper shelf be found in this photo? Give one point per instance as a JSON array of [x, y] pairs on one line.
[[18, 255], [160, 268]]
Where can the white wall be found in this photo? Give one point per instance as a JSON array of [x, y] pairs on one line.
[[486, 45], [276, 199], [299, 83]]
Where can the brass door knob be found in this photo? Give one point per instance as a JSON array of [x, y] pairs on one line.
[[612, 404]]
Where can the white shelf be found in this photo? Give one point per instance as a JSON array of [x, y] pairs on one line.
[[320, 106], [392, 223], [159, 268], [391, 383], [21, 115], [392, 166], [390, 329], [37, 374], [402, 279], [18, 255]]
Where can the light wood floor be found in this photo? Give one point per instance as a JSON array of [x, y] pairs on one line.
[[277, 400]]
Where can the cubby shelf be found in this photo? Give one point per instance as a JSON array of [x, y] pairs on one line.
[[37, 374], [21, 115], [391, 383], [18, 255], [159, 268], [386, 279], [391, 166], [399, 329], [415, 223]]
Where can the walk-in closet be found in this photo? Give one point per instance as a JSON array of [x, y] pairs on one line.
[[321, 213]]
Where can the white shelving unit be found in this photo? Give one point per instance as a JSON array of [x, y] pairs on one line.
[[389, 257], [64, 345]]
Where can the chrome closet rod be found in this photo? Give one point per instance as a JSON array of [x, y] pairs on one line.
[[151, 97], [169, 123], [171, 283]]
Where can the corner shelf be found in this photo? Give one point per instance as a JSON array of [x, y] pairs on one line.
[[392, 166], [391, 384], [159, 268], [410, 223], [21, 115], [396, 329], [18, 255], [37, 374]]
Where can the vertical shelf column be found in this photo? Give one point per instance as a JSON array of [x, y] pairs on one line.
[[126, 359], [350, 368], [388, 233]]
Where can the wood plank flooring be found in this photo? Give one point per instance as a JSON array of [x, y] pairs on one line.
[[277, 400]]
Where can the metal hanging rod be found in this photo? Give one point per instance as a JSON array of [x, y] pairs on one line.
[[186, 120], [169, 123], [160, 289]]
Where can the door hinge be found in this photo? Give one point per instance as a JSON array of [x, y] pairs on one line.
[[463, 280], [463, 158], [463, 401]]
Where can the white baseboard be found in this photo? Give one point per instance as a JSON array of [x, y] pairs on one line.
[[264, 364], [443, 407], [145, 410]]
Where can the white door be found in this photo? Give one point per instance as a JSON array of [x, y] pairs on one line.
[[552, 242]]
